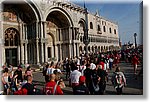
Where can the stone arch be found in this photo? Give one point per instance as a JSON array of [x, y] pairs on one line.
[[51, 45], [62, 11], [25, 10], [52, 38], [35, 9], [82, 21], [81, 25], [60, 25], [25, 17]]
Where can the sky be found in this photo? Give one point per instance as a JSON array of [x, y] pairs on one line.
[[126, 13]]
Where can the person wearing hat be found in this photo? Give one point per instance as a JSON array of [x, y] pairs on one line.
[[81, 89]]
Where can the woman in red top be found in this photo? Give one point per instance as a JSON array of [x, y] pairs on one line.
[[135, 62]]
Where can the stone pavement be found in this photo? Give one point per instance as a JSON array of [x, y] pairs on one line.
[[134, 86]]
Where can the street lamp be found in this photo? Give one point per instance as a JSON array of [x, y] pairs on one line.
[[135, 35]]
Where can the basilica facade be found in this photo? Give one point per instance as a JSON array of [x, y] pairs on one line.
[[36, 31]]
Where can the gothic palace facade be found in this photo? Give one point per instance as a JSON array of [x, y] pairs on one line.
[[34, 31]]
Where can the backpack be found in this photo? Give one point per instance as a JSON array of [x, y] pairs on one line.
[[48, 90], [22, 91], [118, 80]]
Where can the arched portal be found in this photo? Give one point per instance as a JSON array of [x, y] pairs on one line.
[[22, 17], [11, 46], [59, 26]]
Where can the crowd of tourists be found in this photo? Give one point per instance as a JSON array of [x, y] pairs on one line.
[[87, 75]]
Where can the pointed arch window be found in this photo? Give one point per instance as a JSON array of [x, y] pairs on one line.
[[11, 37]]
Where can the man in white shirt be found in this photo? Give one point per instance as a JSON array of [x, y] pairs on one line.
[[92, 66], [74, 76]]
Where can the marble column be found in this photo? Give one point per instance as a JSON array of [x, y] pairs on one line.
[[2, 56], [41, 28], [70, 50], [37, 51], [70, 41], [61, 37], [56, 52], [29, 53], [74, 47], [42, 49], [52, 51], [2, 40], [60, 52], [22, 53], [18, 54], [26, 44], [77, 51], [45, 36], [46, 53], [21, 39], [42, 53], [37, 43]]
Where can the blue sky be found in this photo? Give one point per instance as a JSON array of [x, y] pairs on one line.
[[126, 14]]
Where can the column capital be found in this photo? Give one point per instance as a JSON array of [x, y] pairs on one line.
[[42, 21]]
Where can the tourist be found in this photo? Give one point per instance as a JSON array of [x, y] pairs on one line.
[[5, 81], [74, 77], [28, 72], [103, 76], [87, 74], [52, 87], [135, 62], [19, 73], [50, 69], [29, 86], [118, 80], [68, 69], [110, 63], [81, 89]]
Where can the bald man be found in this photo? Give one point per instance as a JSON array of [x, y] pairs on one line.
[[29, 86], [52, 87]]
